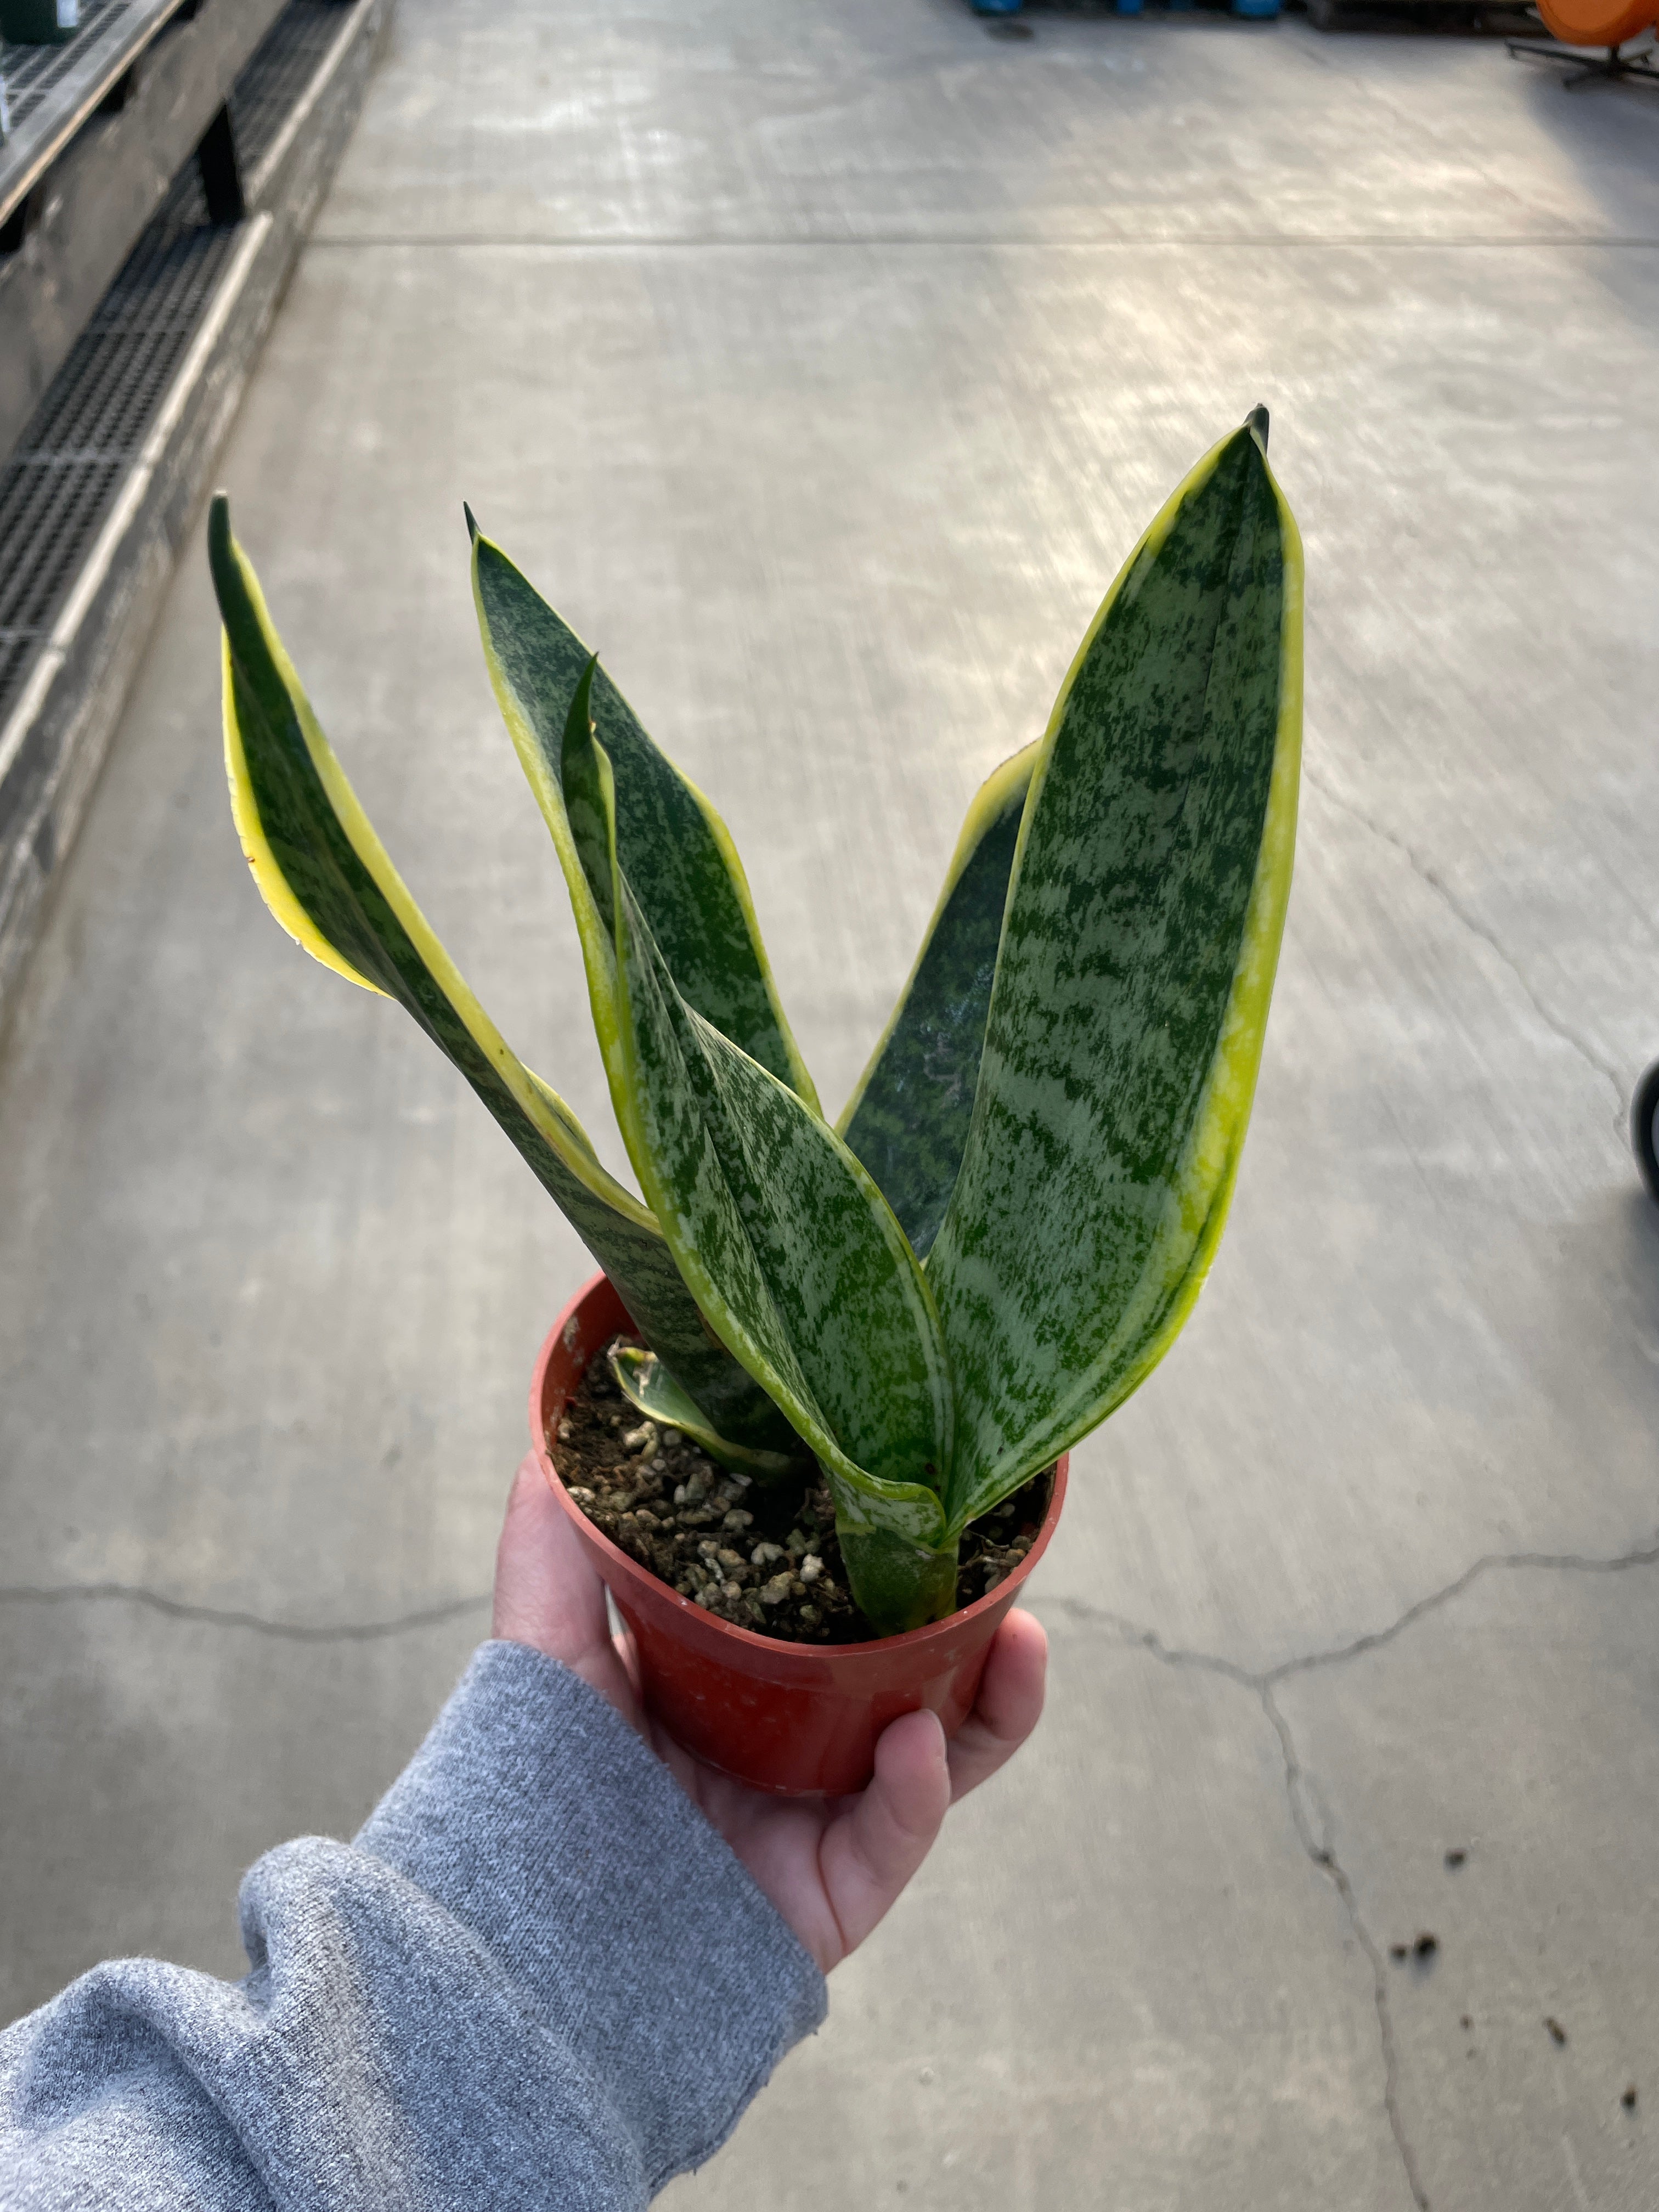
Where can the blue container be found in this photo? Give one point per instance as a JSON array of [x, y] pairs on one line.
[[1130, 7], [1256, 10], [996, 7]]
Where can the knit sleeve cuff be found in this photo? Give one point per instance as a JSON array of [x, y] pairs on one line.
[[537, 1817]]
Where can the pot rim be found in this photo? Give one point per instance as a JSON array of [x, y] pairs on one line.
[[908, 1639]]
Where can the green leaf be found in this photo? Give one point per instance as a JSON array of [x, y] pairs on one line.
[[900, 1582], [1131, 990], [652, 1390], [792, 1254], [327, 879], [586, 805], [785, 1241], [908, 1121], [675, 849], [789, 1250]]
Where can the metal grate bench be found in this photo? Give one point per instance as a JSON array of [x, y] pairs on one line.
[[103, 477]]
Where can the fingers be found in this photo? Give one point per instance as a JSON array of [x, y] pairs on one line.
[[1008, 1707], [547, 1594], [871, 1848]]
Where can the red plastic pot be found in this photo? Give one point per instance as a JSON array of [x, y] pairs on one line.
[[800, 1719]]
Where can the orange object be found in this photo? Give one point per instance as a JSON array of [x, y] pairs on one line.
[[1596, 22]]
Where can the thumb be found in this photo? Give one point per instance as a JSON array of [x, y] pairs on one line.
[[882, 1836]]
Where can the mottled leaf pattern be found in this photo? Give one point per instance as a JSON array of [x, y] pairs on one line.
[[675, 850], [792, 1254], [786, 1244], [1131, 997], [805, 1264], [587, 807], [328, 880], [907, 1120]]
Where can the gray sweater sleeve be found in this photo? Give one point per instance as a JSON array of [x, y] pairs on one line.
[[538, 1978]]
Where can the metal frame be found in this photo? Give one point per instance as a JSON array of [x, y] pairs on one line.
[[82, 74], [55, 726], [1586, 64], [150, 94]]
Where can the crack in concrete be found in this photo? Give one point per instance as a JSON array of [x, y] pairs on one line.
[[1437, 884], [292, 1632], [1321, 1850], [1314, 1834], [1644, 1555]]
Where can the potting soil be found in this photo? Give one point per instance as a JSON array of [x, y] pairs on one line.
[[764, 1555]]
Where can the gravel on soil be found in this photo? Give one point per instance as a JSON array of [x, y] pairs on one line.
[[764, 1556]]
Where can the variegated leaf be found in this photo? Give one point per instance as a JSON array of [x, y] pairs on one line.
[[907, 1120], [1131, 998], [792, 1254], [652, 1390], [328, 880], [675, 850], [790, 1250]]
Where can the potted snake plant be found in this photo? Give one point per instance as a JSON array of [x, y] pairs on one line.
[[812, 1418]]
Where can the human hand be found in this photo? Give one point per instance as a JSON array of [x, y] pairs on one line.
[[831, 1866]]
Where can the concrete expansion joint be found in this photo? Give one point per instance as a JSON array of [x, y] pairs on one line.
[[927, 241], [1437, 884], [290, 1631]]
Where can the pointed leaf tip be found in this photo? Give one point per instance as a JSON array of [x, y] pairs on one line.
[[472, 523], [1256, 423], [218, 529], [580, 734], [674, 847]]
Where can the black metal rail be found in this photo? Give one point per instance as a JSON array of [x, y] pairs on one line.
[[101, 491], [95, 161], [51, 91], [58, 486]]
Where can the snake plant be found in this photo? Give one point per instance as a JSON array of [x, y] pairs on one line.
[[934, 1296]]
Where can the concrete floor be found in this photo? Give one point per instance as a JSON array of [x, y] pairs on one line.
[[823, 362]]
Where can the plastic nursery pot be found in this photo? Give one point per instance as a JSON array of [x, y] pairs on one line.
[[799, 1719]]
